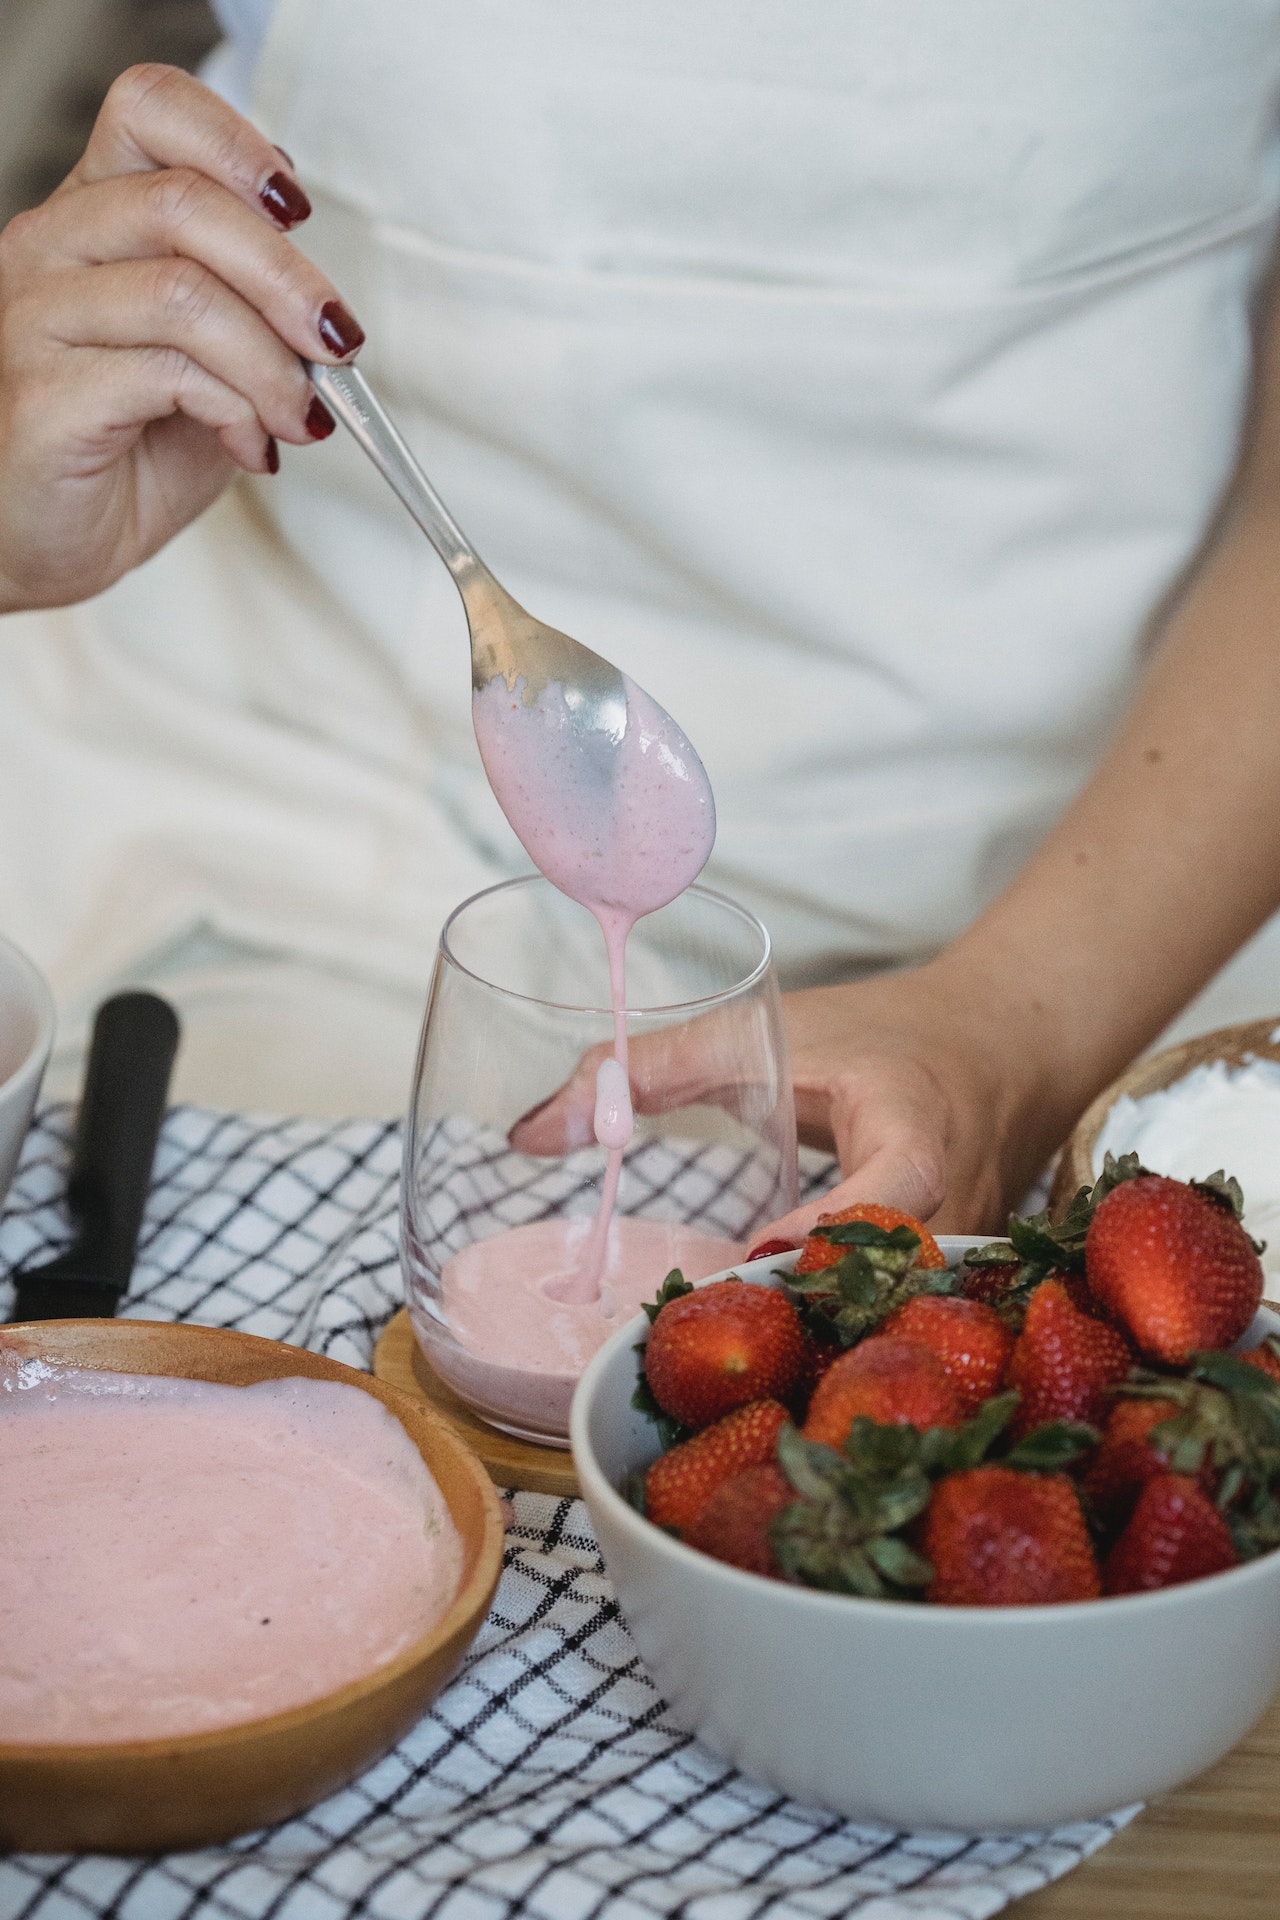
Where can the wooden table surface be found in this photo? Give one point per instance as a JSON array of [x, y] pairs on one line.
[[1209, 1851]]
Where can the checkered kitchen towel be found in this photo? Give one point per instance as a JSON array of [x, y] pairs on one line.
[[548, 1780]]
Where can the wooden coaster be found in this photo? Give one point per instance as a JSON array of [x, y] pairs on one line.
[[399, 1360]]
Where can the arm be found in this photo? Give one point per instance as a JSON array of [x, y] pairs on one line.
[[947, 1088]]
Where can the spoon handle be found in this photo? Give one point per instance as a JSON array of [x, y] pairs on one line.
[[346, 391]]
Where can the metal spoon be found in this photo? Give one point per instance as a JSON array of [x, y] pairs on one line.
[[504, 638]]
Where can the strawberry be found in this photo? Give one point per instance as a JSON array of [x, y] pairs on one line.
[[722, 1346], [1126, 1458], [970, 1339], [1170, 1262], [1000, 1285], [734, 1523], [770, 1249], [679, 1484], [1063, 1361], [1266, 1357], [889, 1380], [818, 1253], [996, 1537], [822, 1357], [1175, 1534]]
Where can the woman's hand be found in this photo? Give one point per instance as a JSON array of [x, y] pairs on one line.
[[152, 315], [922, 1083], [931, 1101]]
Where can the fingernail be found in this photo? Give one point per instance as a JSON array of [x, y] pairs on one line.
[[273, 455], [284, 200], [340, 331], [319, 421], [285, 156]]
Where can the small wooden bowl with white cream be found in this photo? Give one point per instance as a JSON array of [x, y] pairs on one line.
[[190, 1790], [1234, 1046]]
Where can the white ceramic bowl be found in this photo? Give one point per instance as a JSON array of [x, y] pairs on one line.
[[26, 1036], [973, 1718]]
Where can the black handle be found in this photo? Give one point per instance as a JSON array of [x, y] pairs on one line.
[[126, 1089]]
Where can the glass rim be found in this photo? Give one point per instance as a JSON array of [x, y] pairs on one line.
[[702, 1003]]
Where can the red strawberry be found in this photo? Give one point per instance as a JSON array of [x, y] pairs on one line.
[[818, 1253], [892, 1381], [1125, 1459], [734, 1524], [679, 1484], [823, 1355], [1176, 1533], [999, 1284], [1063, 1361], [770, 1249], [1007, 1286], [971, 1341], [1000, 1538], [721, 1347], [1173, 1266]]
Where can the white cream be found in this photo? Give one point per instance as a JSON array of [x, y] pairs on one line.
[[1215, 1116]]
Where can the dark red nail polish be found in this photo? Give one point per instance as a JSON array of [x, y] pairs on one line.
[[340, 330], [273, 455], [284, 200], [319, 421]]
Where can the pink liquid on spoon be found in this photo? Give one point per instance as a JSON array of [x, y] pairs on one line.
[[623, 831], [180, 1555]]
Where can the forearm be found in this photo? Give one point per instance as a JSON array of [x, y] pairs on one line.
[[1168, 860]]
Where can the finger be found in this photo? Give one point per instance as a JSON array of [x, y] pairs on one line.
[[158, 116], [177, 303], [565, 1120], [696, 1063], [181, 212], [890, 1178], [103, 402]]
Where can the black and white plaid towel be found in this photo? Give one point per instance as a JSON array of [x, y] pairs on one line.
[[547, 1781]]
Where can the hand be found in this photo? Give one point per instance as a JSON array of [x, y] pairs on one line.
[[152, 314], [915, 1080], [930, 1098]]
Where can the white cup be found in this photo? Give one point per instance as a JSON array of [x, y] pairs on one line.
[[26, 1037]]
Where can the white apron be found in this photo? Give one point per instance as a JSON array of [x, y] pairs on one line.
[[858, 374]]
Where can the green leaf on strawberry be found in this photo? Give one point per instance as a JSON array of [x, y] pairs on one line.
[[843, 1303], [835, 1536], [674, 1287], [1229, 1413], [1053, 1447], [670, 1430], [842, 1533], [1226, 1190]]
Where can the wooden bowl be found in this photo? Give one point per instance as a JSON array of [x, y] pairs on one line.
[[154, 1796], [1149, 1075]]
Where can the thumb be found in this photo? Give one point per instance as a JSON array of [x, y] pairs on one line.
[[891, 1177], [707, 1060]]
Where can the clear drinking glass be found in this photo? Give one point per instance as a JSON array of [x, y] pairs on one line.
[[519, 995]]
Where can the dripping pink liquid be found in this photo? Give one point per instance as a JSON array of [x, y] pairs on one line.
[[623, 834]]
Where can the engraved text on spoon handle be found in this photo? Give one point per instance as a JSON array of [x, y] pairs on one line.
[[346, 392]]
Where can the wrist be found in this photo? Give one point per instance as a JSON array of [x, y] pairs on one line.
[[1017, 1037]]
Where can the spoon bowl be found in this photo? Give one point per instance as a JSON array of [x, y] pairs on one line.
[[601, 787]]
